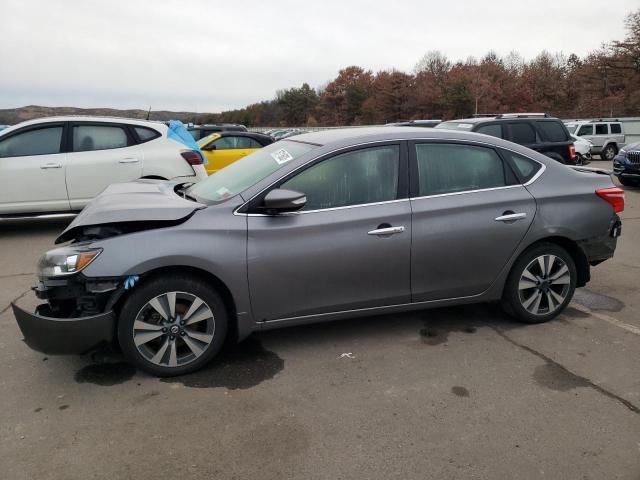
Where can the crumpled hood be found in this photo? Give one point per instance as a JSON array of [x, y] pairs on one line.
[[142, 201]]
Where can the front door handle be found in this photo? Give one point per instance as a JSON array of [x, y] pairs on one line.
[[510, 217], [51, 165], [386, 231], [128, 160]]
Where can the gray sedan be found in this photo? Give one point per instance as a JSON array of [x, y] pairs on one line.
[[322, 226]]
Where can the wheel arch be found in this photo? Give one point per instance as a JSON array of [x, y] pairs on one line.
[[153, 177], [208, 277], [577, 254]]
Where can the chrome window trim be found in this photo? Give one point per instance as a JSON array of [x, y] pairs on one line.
[[464, 192], [533, 179], [330, 209]]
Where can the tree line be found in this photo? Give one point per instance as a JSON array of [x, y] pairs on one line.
[[605, 83]]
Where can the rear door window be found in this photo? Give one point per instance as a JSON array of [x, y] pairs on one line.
[[616, 128], [87, 138], [553, 131], [602, 129], [449, 168], [522, 133], [40, 141], [495, 130], [585, 130]]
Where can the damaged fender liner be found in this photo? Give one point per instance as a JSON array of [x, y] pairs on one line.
[[77, 318], [59, 336]]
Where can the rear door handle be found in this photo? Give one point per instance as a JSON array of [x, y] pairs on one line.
[[128, 160], [511, 217], [386, 231], [51, 165]]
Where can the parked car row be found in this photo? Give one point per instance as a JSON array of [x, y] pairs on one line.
[[280, 133]]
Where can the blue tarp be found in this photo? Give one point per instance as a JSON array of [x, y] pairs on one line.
[[179, 133]]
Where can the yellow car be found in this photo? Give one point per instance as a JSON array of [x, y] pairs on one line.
[[224, 148]]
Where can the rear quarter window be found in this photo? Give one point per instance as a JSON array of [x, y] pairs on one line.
[[553, 131], [146, 134], [524, 167], [616, 128]]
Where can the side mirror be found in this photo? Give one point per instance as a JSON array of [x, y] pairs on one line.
[[211, 146], [281, 201]]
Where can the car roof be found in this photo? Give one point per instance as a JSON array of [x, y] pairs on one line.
[[500, 119], [234, 133], [86, 118], [355, 135]]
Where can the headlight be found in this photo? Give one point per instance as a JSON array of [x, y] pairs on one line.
[[66, 261], [622, 151]]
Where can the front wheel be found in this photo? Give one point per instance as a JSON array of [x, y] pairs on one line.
[[172, 326], [540, 284]]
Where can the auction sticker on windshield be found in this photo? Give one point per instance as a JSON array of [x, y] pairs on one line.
[[281, 156]]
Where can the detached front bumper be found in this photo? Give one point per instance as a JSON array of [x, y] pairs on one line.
[[59, 336]]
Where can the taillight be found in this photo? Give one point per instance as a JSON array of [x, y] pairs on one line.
[[192, 158], [572, 151], [613, 196]]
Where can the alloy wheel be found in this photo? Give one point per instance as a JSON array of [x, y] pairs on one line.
[[609, 153], [544, 285], [173, 329]]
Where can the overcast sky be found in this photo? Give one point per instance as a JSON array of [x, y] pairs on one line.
[[207, 56]]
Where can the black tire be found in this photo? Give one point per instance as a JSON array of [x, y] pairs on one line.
[[138, 303], [627, 182], [513, 297], [608, 152]]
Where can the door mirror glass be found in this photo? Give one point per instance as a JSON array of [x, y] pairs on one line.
[[280, 201]]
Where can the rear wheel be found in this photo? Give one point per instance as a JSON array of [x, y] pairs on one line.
[[609, 152], [172, 326], [540, 284]]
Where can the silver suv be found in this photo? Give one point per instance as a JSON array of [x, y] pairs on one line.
[[606, 136]]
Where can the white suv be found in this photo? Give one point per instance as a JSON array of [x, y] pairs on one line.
[[59, 164], [606, 136]]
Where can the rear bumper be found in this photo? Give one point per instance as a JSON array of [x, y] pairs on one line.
[[58, 336], [599, 249]]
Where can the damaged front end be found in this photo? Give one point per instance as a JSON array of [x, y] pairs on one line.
[[77, 318]]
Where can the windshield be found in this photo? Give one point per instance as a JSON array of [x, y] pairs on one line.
[[247, 171], [572, 127], [455, 126]]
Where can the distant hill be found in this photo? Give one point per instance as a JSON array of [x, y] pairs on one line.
[[11, 116]]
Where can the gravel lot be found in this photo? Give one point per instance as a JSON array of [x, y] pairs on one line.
[[450, 393]]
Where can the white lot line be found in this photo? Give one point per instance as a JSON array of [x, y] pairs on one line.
[[608, 319]]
